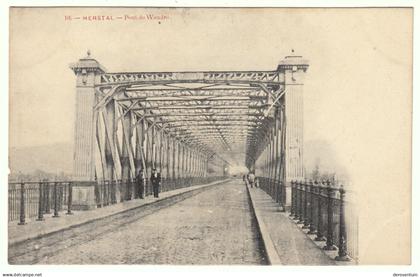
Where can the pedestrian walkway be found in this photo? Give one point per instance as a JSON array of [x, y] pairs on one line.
[[34, 229], [282, 236]]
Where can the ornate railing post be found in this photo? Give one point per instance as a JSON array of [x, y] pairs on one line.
[[40, 203], [342, 240], [319, 235], [22, 205], [297, 203], [113, 192], [306, 207], [98, 194], [302, 203], [69, 198], [47, 198], [55, 201], [135, 188], [132, 189], [292, 206], [281, 201], [108, 192], [330, 232], [312, 228]]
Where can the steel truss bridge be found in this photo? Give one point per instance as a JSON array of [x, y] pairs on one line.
[[187, 124], [190, 126]]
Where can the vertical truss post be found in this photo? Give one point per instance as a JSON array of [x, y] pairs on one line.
[[143, 149], [139, 141], [126, 157], [158, 151], [187, 162], [174, 160], [147, 149], [200, 165], [178, 161], [110, 155], [162, 155], [195, 164], [183, 161], [276, 156], [168, 157], [206, 167], [186, 165], [190, 162], [272, 149], [153, 147]]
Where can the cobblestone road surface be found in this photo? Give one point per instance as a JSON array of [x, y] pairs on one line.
[[213, 227]]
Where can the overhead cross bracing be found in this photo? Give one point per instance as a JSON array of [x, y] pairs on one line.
[[214, 110]]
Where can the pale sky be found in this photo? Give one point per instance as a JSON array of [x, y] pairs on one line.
[[352, 54], [357, 93]]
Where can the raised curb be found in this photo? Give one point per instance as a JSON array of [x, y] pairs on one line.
[[269, 248], [329, 253], [31, 236]]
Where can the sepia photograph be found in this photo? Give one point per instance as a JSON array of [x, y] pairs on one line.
[[210, 136]]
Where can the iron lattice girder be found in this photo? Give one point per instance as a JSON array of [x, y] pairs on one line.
[[203, 133], [238, 113], [241, 123], [251, 92], [231, 131], [267, 77], [187, 99], [218, 99], [216, 121], [204, 107]]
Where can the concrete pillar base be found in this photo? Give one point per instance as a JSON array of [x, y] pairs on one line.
[[83, 196]]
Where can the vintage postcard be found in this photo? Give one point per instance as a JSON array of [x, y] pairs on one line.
[[210, 136]]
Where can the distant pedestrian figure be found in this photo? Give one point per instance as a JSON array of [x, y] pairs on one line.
[[257, 183], [251, 179], [155, 180], [140, 183]]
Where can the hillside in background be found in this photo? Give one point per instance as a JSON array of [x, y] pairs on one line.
[[58, 159], [53, 158]]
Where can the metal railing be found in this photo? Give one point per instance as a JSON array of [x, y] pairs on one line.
[[321, 207], [275, 189], [33, 200], [115, 191]]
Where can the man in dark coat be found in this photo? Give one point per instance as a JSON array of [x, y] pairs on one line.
[[155, 180], [140, 183]]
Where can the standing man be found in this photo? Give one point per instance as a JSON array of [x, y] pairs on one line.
[[155, 179], [251, 179], [140, 183]]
